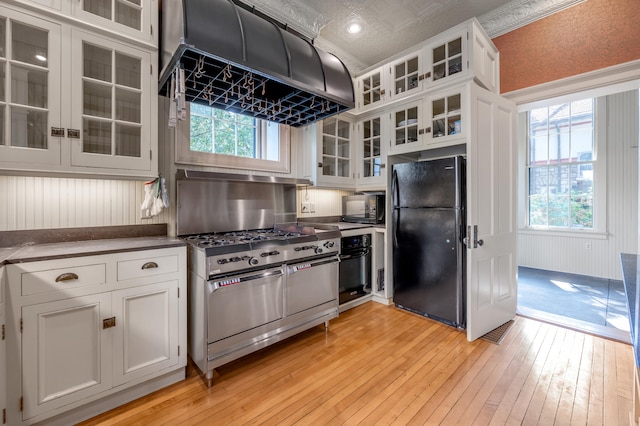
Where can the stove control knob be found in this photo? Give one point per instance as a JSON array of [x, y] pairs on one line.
[[318, 250], [253, 261], [329, 244], [235, 259], [222, 261]]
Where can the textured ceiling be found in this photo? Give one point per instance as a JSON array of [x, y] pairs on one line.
[[391, 26]]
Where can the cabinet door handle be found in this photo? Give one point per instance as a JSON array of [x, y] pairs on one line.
[[382, 92], [108, 323], [149, 265], [69, 276], [57, 132], [476, 241]]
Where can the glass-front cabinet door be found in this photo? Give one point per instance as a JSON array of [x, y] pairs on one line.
[[110, 113], [446, 59], [129, 17], [371, 89], [405, 75], [29, 90], [405, 127], [371, 151], [445, 119], [335, 157]]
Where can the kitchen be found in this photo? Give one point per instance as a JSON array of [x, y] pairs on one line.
[[87, 202]]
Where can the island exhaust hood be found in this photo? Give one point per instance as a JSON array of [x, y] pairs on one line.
[[235, 60]]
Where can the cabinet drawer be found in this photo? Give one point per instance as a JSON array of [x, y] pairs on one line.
[[62, 278], [146, 267]]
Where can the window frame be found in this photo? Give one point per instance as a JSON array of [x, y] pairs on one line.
[[184, 155], [599, 167]]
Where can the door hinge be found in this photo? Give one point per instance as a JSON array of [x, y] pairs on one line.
[[4, 416], [3, 332], [178, 293], [21, 404], [20, 325], [151, 29], [178, 350], [151, 155]]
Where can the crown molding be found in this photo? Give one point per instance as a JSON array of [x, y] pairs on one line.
[[518, 13]]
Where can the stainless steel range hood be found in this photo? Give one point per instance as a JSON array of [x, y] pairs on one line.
[[238, 61]]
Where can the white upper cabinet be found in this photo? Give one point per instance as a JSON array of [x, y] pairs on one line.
[[327, 155], [370, 144], [406, 75], [72, 101], [461, 53], [29, 89], [111, 87], [130, 17], [407, 127], [126, 18], [371, 89]]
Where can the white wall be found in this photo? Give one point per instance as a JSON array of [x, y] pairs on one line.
[[599, 257], [46, 202]]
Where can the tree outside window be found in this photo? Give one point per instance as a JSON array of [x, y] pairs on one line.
[[221, 132], [560, 165]]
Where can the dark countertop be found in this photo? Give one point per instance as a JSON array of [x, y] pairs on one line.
[[335, 221], [48, 244], [631, 278], [37, 252]]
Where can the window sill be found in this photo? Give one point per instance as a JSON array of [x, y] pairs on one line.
[[568, 234]]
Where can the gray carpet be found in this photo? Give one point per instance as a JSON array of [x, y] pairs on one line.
[[593, 300]]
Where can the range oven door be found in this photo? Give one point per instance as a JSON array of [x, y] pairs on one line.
[[311, 283], [242, 302]]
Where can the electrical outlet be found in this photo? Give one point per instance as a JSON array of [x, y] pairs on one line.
[[312, 207], [588, 246], [306, 207]]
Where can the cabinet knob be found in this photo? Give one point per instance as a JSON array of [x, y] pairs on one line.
[[382, 92], [319, 165], [69, 276], [149, 265]]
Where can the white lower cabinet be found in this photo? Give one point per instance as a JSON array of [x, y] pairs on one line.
[[119, 322], [66, 354], [146, 338]]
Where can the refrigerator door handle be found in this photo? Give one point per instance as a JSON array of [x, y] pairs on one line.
[[467, 240], [476, 241], [394, 189]]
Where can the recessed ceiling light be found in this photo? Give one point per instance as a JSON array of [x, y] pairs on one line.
[[354, 28], [41, 58]]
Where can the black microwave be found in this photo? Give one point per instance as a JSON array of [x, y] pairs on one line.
[[363, 208]]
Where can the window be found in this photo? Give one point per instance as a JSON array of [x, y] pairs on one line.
[[560, 166], [225, 139]]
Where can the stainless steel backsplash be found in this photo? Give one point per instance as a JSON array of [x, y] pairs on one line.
[[220, 205]]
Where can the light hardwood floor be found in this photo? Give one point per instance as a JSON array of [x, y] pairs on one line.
[[381, 365]]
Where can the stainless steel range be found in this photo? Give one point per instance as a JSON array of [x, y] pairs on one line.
[[251, 288]]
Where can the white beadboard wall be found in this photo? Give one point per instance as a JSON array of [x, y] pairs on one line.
[[567, 254], [46, 202]]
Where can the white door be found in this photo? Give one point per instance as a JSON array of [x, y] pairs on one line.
[[491, 207], [146, 331], [65, 351]]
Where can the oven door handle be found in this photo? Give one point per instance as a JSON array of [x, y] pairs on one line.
[[217, 284], [292, 269], [357, 255]]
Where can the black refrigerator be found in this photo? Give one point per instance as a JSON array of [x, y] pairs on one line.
[[428, 225]]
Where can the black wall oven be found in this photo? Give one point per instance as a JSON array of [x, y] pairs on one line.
[[355, 267]]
